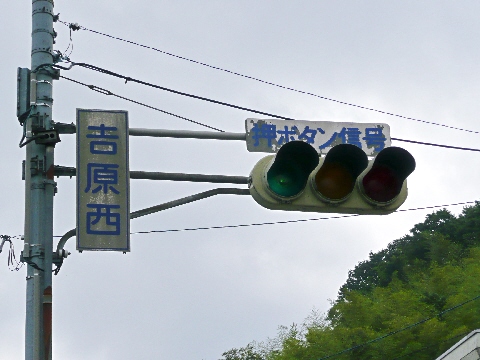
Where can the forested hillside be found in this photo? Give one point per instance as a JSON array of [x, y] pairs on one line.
[[412, 300]]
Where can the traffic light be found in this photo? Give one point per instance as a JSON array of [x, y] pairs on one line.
[[344, 181]]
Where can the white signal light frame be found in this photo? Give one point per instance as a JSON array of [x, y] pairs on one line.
[[309, 200]]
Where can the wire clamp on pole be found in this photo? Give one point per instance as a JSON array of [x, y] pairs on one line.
[[30, 252]]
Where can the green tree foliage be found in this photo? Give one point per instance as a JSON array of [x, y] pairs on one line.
[[423, 275], [246, 353]]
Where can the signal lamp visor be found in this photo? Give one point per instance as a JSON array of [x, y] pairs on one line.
[[335, 179], [384, 181], [289, 172]]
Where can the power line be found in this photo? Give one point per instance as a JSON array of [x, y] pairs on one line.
[[108, 92], [402, 329], [128, 78], [438, 145], [288, 221], [429, 346], [78, 27]]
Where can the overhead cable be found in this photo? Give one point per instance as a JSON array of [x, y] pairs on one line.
[[290, 221], [108, 92], [402, 329], [78, 27], [438, 145], [128, 78], [431, 345]]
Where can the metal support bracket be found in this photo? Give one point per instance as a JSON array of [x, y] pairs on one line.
[[47, 69], [45, 50], [49, 182], [38, 122], [42, 10], [226, 179], [63, 128], [43, 82], [57, 259], [33, 89], [30, 252], [37, 166], [64, 171], [47, 137], [43, 184], [161, 207], [35, 1], [52, 33]]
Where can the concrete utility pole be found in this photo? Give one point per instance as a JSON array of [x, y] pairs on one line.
[[39, 188]]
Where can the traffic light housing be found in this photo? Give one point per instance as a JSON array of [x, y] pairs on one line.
[[344, 181]]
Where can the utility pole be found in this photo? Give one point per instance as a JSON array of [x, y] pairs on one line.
[[39, 188]]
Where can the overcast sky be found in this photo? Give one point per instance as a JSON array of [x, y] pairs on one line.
[[195, 294]]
